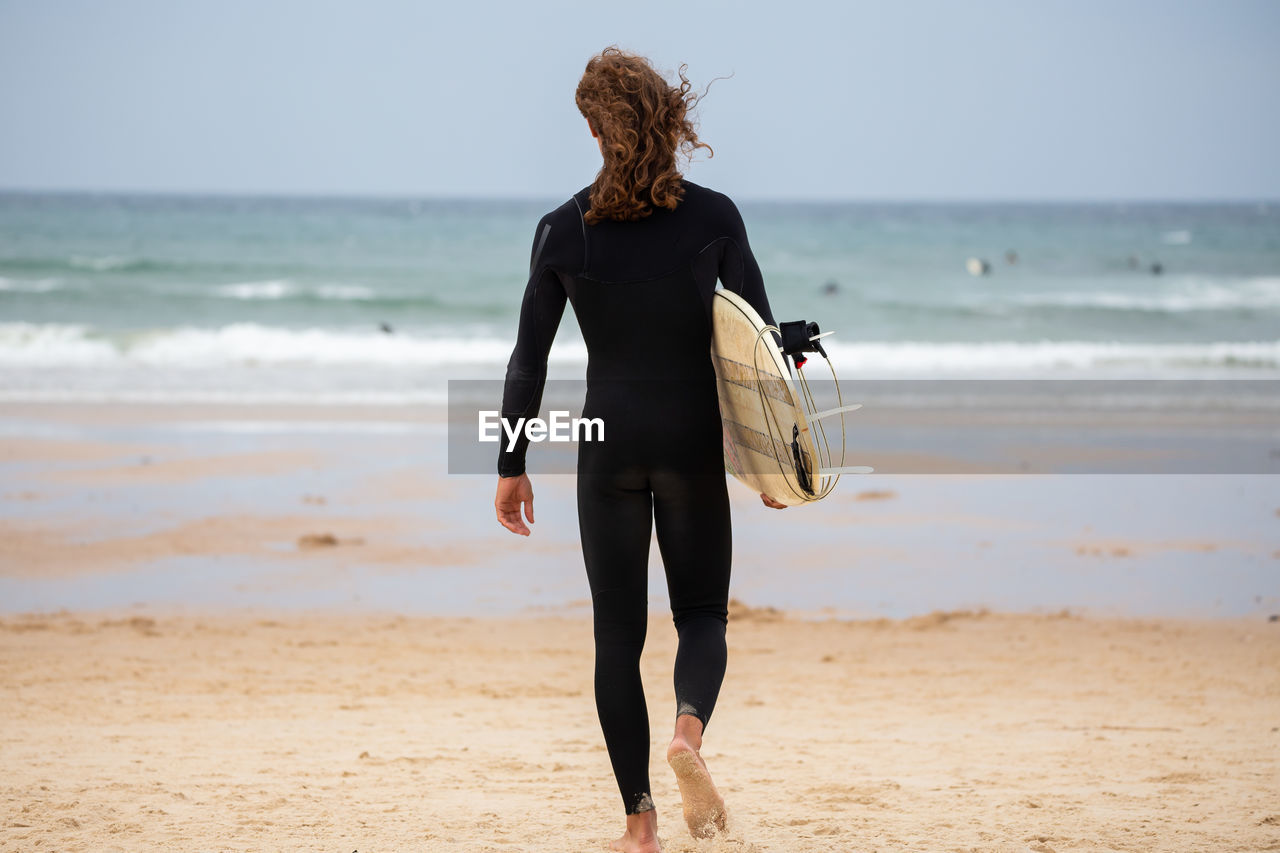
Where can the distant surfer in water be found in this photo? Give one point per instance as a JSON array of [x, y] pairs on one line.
[[638, 254]]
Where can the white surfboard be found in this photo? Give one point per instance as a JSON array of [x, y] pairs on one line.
[[767, 444]]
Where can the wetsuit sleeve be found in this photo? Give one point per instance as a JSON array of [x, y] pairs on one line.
[[739, 271], [540, 313]]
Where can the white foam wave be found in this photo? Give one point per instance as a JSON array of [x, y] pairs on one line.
[[1176, 238], [46, 344], [354, 292], [248, 343], [256, 290], [251, 346], [1048, 357], [38, 285], [1190, 295], [283, 289]]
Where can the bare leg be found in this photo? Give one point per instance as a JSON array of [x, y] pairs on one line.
[[704, 809], [641, 835]]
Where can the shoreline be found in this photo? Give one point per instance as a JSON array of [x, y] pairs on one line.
[[331, 507]]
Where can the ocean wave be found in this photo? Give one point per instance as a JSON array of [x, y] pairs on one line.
[[1171, 296], [285, 289], [248, 345], [117, 263], [357, 292], [47, 344], [255, 290], [1049, 356], [1176, 238], [30, 344], [102, 263], [39, 285], [1251, 294], [86, 264]]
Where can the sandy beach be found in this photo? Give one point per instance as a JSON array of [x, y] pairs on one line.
[[953, 731], [282, 283], [256, 628]]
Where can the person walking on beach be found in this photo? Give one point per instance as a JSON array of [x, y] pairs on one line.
[[638, 254]]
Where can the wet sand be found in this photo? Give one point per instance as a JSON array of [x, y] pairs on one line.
[[108, 505]]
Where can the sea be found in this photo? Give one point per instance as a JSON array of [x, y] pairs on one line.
[[380, 300]]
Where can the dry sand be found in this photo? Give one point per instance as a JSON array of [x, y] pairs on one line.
[[231, 730]]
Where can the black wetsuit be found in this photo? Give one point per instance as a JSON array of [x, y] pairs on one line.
[[642, 295]]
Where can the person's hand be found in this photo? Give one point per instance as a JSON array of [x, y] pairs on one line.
[[513, 491], [768, 501]]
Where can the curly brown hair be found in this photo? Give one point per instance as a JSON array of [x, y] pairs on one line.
[[642, 123]]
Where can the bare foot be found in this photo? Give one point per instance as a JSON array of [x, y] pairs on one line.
[[641, 835], [704, 809]]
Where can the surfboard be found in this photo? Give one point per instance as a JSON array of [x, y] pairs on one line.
[[767, 443]]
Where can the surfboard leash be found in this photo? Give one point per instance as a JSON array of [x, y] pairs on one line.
[[800, 337]]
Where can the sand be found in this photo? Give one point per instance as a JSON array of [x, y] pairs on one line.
[[288, 628], [356, 731]]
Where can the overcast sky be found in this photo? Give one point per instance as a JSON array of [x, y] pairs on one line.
[[972, 99]]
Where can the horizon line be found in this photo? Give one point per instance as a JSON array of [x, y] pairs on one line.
[[531, 198]]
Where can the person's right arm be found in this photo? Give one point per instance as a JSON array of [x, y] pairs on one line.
[[540, 313]]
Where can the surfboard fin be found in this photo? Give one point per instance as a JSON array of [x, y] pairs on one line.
[[845, 469], [827, 413]]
